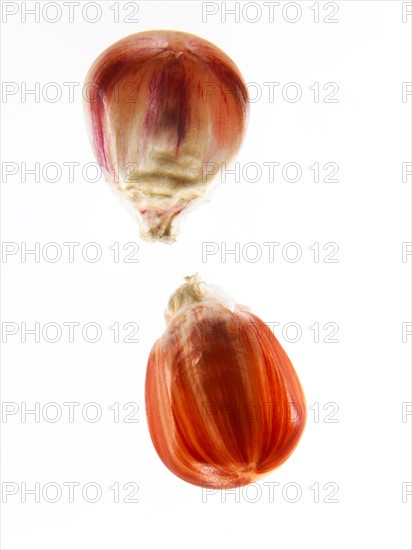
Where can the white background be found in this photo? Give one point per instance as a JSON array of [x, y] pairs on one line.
[[366, 373]]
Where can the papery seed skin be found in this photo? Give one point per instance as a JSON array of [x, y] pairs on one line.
[[163, 109], [223, 402]]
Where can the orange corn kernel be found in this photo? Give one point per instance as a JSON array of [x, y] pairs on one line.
[[223, 402]]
